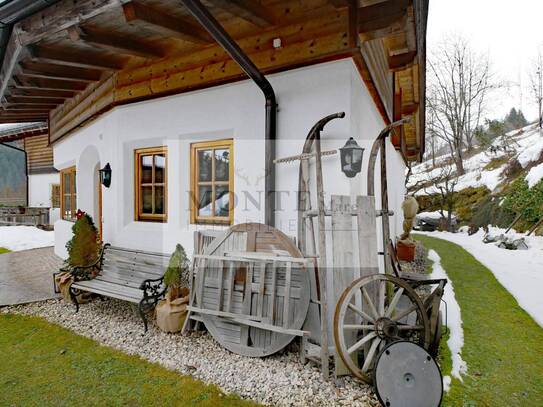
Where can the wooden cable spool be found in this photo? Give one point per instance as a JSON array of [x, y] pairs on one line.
[[245, 314]]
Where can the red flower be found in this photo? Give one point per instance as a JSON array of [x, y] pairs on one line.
[[79, 214]]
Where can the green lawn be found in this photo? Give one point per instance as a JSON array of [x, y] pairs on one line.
[[2, 250], [503, 345], [45, 365]]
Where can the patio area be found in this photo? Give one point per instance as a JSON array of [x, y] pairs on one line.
[[26, 276]]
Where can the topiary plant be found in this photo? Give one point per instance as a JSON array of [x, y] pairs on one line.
[[177, 273], [84, 246]]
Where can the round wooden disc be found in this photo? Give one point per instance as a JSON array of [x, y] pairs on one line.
[[240, 338]]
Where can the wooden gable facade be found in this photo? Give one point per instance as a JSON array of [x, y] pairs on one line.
[[78, 59]]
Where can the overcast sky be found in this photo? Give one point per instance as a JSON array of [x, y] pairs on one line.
[[510, 31]]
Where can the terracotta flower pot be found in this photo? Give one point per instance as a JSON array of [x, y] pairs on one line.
[[405, 251]]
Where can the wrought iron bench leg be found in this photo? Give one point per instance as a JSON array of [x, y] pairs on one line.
[[141, 310], [73, 296]]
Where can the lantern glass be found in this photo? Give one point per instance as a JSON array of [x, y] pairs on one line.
[[351, 158], [105, 175]]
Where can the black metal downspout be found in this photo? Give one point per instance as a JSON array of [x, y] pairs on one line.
[[200, 13]]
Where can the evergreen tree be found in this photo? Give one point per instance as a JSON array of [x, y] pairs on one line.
[[514, 120], [84, 246]]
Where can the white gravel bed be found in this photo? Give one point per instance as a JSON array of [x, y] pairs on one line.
[[277, 380]]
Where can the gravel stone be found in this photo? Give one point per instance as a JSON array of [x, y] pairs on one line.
[[276, 380]]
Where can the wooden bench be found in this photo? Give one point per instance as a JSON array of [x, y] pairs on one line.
[[130, 275]]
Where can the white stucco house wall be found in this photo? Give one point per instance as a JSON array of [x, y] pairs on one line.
[[234, 111]]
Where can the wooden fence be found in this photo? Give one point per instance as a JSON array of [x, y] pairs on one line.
[[13, 216]]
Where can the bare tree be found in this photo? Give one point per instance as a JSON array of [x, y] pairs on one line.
[[446, 184], [536, 86], [458, 86]]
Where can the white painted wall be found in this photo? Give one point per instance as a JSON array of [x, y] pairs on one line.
[[40, 193], [230, 111], [40, 188]]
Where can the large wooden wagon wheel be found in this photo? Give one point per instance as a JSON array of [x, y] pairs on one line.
[[365, 321]]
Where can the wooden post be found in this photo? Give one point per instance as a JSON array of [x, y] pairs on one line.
[[322, 260], [343, 257]]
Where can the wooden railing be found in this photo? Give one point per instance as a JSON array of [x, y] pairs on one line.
[[14, 216]]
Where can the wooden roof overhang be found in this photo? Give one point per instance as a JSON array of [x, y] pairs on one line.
[[75, 60]]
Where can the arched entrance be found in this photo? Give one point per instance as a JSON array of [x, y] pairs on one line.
[[88, 185]]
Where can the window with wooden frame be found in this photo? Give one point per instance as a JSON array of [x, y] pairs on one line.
[[68, 194], [212, 182], [55, 195], [151, 184]]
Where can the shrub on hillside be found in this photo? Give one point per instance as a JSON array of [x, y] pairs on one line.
[[526, 201]]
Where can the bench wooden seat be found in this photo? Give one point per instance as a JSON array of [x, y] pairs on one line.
[[134, 276]]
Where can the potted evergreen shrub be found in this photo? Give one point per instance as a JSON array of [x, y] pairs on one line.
[[83, 250], [171, 312]]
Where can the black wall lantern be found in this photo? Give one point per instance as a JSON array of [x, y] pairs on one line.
[[351, 158], [105, 175]]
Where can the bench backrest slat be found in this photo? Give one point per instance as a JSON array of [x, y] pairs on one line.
[[130, 268]]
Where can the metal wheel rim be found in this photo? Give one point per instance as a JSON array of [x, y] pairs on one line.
[[342, 347]]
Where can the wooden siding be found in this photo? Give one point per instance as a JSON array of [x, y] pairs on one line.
[[39, 155]]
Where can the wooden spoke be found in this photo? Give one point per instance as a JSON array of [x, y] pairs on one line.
[[371, 354], [381, 297], [405, 313], [361, 342], [370, 303], [358, 327], [394, 302], [164, 23], [361, 313]]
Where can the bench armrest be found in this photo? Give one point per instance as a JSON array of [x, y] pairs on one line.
[[153, 288], [84, 272]]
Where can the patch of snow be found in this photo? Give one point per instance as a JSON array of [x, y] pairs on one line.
[[433, 215], [446, 383], [17, 238], [519, 271], [525, 144], [535, 175], [454, 322], [531, 153]]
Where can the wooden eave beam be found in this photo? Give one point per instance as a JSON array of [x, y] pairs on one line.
[[339, 3], [27, 108], [158, 21], [401, 61], [249, 10], [115, 42], [23, 82], [74, 58], [6, 120], [38, 94], [33, 101], [54, 71], [381, 15]]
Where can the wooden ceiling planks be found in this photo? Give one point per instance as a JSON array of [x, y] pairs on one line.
[[136, 13], [95, 54]]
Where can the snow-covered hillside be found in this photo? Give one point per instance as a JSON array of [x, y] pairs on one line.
[[524, 145]]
